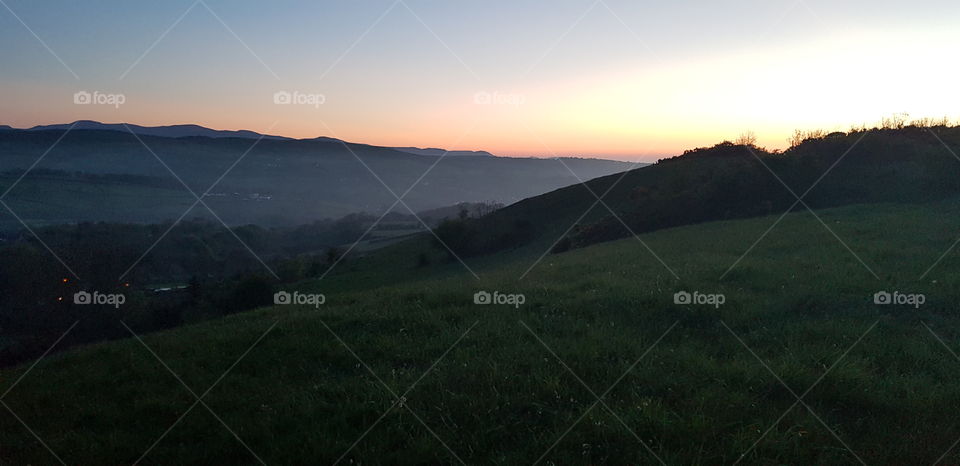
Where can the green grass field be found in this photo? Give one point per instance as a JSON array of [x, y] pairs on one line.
[[401, 367]]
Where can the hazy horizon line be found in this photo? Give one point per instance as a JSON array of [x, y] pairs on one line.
[[634, 158]]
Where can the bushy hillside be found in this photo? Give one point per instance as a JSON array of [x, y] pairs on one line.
[[681, 384], [728, 181]]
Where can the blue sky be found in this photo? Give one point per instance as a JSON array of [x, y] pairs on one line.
[[616, 78]]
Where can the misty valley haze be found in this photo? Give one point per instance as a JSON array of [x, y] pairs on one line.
[[96, 174], [412, 232]]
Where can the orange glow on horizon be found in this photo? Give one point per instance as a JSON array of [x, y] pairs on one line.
[[640, 112]]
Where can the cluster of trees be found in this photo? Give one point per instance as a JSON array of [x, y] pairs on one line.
[[195, 271], [897, 162], [169, 273], [472, 235]]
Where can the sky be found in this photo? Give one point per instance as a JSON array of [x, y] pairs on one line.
[[632, 80]]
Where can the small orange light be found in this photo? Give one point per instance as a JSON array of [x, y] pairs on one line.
[[126, 284], [65, 280]]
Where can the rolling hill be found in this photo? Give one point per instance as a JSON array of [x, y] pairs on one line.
[[184, 131], [727, 181], [170, 131], [505, 384], [270, 182], [403, 363]]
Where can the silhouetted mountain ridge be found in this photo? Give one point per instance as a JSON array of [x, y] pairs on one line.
[[171, 131], [443, 152], [192, 130], [276, 182]]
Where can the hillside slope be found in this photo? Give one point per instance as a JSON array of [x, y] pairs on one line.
[[727, 181], [496, 383]]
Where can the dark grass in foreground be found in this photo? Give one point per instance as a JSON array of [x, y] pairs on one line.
[[800, 300]]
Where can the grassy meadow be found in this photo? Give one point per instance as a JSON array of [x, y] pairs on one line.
[[416, 373]]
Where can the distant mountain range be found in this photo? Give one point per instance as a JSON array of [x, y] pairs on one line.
[[101, 172], [172, 131], [439, 152], [186, 131]]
